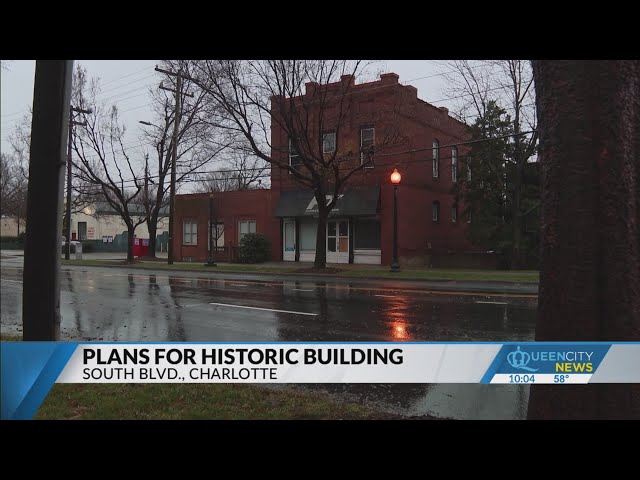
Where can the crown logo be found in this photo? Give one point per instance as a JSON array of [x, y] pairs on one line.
[[520, 360]]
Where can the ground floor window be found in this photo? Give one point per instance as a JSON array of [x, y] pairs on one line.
[[308, 234], [218, 235], [189, 232], [367, 234], [244, 227]]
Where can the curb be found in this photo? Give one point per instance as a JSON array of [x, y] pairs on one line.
[[327, 275]]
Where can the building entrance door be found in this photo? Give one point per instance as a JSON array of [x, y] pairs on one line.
[[337, 241], [289, 244], [82, 230]]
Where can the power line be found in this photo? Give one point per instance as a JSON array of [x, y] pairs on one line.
[[126, 76], [103, 92], [416, 150]]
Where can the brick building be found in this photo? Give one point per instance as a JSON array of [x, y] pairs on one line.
[[421, 144]]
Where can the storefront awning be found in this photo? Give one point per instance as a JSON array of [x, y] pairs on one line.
[[355, 201]]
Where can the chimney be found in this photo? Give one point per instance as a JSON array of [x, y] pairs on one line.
[[349, 80], [444, 109], [412, 92], [389, 78], [276, 100], [310, 87]]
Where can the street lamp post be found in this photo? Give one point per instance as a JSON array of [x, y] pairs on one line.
[[395, 179], [210, 262]]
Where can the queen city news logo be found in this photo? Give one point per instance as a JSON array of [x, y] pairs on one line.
[[565, 360]]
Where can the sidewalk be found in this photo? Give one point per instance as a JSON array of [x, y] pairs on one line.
[[345, 271], [300, 269]]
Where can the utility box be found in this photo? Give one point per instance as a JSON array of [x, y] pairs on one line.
[[140, 247], [78, 251]]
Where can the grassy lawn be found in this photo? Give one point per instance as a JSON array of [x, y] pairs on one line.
[[192, 401], [364, 272], [184, 266], [10, 338], [451, 274]]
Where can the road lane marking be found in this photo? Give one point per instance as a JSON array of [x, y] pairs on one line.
[[494, 303], [265, 309], [301, 290], [11, 281], [386, 296], [237, 285]]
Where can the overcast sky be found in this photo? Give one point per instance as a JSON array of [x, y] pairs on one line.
[[126, 83]]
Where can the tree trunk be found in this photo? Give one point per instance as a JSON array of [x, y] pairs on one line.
[[516, 224], [321, 237], [589, 123], [152, 225], [130, 234]]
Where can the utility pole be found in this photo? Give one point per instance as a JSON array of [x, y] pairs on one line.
[[174, 157], [72, 122], [41, 287]]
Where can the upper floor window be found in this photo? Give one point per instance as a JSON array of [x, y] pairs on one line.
[[468, 170], [436, 158], [454, 213], [294, 156], [329, 142], [367, 137], [435, 211], [454, 164]]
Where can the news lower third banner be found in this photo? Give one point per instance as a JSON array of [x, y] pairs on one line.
[[29, 369]]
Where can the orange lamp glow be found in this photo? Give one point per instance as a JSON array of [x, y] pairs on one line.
[[396, 177]]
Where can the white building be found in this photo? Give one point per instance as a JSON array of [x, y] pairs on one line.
[[100, 220], [9, 226]]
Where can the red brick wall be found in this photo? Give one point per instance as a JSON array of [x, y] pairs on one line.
[[395, 109], [232, 207], [415, 226]]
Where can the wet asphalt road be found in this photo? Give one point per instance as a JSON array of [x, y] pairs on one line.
[[120, 304]]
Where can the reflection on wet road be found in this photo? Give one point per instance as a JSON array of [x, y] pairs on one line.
[[125, 305]]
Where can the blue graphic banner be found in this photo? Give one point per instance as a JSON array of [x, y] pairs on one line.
[[29, 369]]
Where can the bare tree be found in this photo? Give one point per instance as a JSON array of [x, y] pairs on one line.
[[480, 87], [198, 143], [255, 96], [20, 141], [82, 194], [241, 171], [103, 162], [13, 189]]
